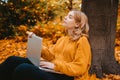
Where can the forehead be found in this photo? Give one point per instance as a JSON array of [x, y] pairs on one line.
[[71, 13]]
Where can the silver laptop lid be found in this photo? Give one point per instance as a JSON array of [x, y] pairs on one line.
[[34, 46]]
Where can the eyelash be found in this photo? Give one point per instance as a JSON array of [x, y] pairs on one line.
[[70, 17]]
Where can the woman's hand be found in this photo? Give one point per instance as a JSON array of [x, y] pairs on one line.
[[46, 64], [30, 34]]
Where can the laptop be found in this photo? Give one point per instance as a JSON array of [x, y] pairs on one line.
[[34, 46]]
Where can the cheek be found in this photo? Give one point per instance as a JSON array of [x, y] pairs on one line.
[[71, 24]]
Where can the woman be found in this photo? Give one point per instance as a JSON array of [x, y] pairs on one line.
[[71, 55]]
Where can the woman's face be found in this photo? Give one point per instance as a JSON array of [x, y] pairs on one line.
[[69, 21]]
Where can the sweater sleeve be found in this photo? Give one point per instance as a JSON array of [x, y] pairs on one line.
[[81, 62], [48, 53]]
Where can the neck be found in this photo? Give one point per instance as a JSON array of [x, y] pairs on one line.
[[70, 32]]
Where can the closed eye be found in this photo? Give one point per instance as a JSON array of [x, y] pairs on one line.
[[70, 16]]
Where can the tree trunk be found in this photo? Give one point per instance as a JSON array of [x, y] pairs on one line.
[[102, 16]]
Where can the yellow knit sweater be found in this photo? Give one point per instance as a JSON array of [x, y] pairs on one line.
[[72, 58]]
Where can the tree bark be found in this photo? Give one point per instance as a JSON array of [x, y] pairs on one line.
[[102, 16]]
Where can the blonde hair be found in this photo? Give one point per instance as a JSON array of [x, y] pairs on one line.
[[82, 28]]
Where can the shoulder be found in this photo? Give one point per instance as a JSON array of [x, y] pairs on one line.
[[83, 39], [84, 43], [62, 39]]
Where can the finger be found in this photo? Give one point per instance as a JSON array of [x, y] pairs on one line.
[[44, 66], [42, 63], [30, 34]]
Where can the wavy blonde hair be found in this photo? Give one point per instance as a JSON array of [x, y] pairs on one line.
[[82, 28]]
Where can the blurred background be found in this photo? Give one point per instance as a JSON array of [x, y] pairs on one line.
[[18, 16]]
